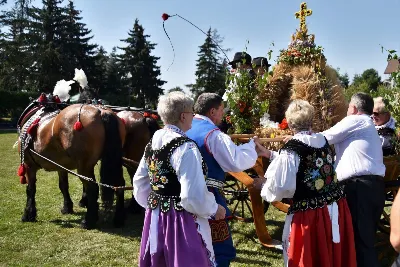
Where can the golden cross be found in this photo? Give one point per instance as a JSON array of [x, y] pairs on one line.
[[302, 14]]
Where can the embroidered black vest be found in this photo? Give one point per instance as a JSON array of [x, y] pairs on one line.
[[390, 134], [316, 182], [164, 182]]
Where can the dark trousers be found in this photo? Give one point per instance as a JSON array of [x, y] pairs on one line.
[[366, 199]]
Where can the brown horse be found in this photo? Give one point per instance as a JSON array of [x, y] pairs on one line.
[[99, 135], [139, 130]]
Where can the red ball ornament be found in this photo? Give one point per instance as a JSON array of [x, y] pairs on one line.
[[78, 126], [42, 98], [57, 99], [22, 180], [146, 114], [165, 16], [21, 170]]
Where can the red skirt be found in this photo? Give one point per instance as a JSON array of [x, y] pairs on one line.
[[310, 241]]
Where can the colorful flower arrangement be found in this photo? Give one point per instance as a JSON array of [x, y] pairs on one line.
[[242, 96]]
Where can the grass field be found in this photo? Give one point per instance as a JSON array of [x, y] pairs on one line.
[[57, 240]]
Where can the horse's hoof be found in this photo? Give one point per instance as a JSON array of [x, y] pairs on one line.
[[67, 210], [118, 223], [88, 226], [28, 218], [83, 203]]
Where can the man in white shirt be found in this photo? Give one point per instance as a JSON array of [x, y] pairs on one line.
[[221, 155], [359, 167]]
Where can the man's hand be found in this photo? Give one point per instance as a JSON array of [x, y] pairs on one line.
[[221, 212], [260, 149], [259, 182]]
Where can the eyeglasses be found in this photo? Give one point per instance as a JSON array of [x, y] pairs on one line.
[[376, 114]]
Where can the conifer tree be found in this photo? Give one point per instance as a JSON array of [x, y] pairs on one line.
[[139, 67]]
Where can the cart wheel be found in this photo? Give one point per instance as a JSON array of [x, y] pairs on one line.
[[238, 199]]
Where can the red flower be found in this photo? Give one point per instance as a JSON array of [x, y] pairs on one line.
[[165, 16], [228, 119], [242, 106], [146, 114], [283, 125], [328, 180], [154, 116]]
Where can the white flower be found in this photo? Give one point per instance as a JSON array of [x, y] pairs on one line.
[[80, 77], [265, 122], [319, 162], [62, 89], [329, 158]]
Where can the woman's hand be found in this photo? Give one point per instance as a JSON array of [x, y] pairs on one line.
[[221, 212]]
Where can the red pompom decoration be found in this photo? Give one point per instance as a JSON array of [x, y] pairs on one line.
[[154, 116], [146, 114], [42, 98], [123, 121], [57, 99], [21, 170], [165, 16], [78, 126], [33, 127], [22, 179]]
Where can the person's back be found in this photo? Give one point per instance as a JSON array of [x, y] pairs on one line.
[[360, 152]]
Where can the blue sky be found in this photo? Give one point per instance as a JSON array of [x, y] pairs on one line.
[[350, 31]]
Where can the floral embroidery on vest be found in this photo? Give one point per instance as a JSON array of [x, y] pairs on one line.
[[164, 182], [316, 182]]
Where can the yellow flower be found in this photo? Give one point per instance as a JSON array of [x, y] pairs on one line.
[[335, 178], [155, 188], [319, 183], [163, 179], [272, 135]]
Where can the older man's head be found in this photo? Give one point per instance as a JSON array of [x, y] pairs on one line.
[[210, 105]]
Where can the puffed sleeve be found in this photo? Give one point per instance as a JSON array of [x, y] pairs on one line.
[[141, 184], [281, 177], [195, 197]]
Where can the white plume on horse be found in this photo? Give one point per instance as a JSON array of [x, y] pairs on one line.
[[62, 89], [80, 77]]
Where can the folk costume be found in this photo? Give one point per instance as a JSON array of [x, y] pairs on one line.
[[170, 183], [318, 230], [359, 167], [221, 155], [387, 135]]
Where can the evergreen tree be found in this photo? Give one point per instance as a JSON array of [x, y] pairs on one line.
[[99, 79], [210, 73], [75, 49], [113, 73], [47, 32], [139, 67]]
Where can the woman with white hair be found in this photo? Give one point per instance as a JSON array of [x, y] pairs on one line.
[[386, 126], [170, 184], [318, 229]]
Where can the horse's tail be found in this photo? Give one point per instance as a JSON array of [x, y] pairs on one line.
[[111, 161], [152, 125]]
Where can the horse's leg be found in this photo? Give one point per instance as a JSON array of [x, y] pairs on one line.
[[119, 217], [134, 207], [30, 209], [92, 191], [83, 201], [68, 207]]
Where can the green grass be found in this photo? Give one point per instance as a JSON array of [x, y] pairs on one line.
[[58, 240]]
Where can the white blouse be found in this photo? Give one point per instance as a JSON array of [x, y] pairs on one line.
[[195, 198], [230, 157]]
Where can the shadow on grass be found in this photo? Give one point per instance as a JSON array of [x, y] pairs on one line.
[[8, 130], [132, 228]]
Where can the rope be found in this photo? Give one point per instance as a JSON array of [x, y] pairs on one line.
[[173, 49], [89, 179]]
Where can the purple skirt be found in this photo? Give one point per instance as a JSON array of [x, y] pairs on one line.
[[179, 244]]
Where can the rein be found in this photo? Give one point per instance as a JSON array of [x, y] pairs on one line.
[[89, 179]]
